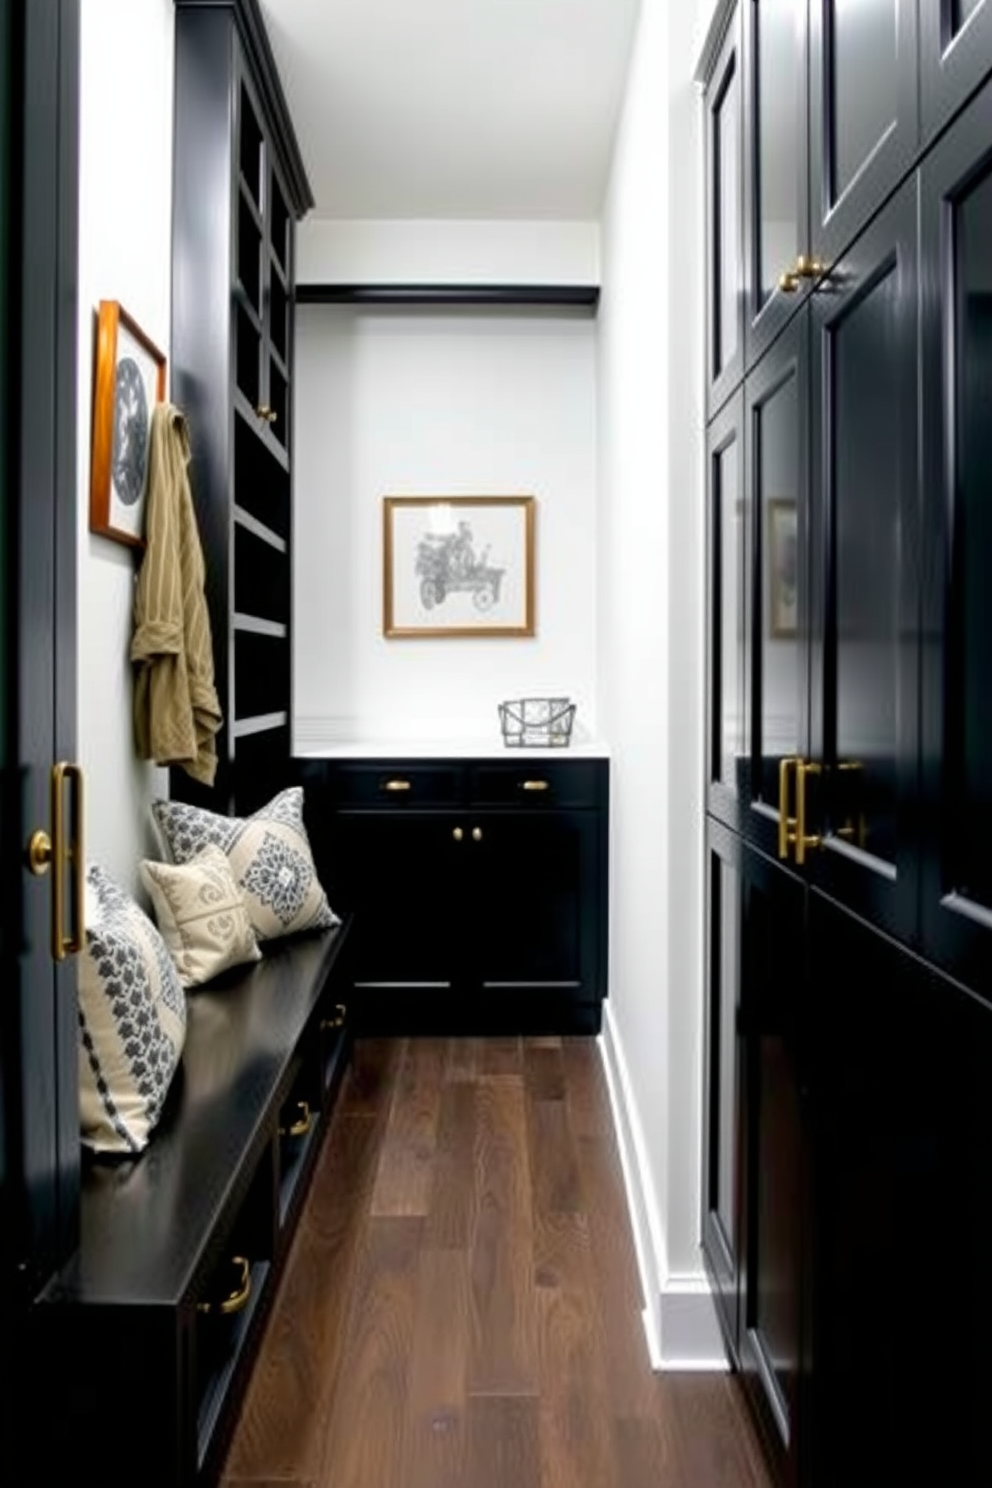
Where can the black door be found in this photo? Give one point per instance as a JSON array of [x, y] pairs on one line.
[[774, 1337], [724, 221], [776, 502], [722, 1114], [777, 274], [863, 113], [900, 1116], [955, 57], [728, 550], [863, 792], [39, 1119], [956, 216]]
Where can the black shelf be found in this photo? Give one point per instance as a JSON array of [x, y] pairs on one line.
[[576, 296]]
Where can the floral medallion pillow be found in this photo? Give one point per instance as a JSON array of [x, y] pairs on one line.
[[202, 915], [270, 858], [132, 1020]]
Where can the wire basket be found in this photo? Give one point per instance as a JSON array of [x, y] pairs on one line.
[[537, 723]]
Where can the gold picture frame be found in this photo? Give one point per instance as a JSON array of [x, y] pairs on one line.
[[458, 566], [130, 379]]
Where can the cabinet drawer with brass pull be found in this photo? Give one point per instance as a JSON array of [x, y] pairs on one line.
[[531, 784], [396, 785]]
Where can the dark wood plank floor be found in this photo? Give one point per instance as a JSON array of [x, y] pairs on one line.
[[461, 1306]]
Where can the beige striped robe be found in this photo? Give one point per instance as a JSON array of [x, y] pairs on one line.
[[176, 711]]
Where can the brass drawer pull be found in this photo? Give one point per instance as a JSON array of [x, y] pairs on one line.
[[396, 785], [535, 785], [237, 1300], [340, 1013], [302, 1124]]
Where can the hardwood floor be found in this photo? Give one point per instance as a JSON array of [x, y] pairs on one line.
[[461, 1306]]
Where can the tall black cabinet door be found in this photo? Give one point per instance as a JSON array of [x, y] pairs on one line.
[[955, 57], [900, 1121], [775, 493], [865, 573], [728, 566], [775, 177], [724, 221], [773, 1332], [957, 663], [722, 1124], [864, 123]]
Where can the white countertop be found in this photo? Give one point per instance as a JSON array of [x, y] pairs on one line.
[[485, 748]]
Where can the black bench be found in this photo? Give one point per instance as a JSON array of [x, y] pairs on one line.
[[149, 1334]]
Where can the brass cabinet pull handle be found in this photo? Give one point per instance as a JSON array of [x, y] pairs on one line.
[[340, 1013], [535, 785], [804, 268], [457, 834], [57, 852], [237, 1301], [396, 785], [804, 840], [476, 834], [263, 411], [786, 823], [302, 1124]]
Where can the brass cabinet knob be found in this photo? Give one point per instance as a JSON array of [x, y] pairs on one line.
[[458, 834], [265, 412], [476, 834], [804, 268], [340, 1013]]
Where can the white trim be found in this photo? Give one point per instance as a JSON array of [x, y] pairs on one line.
[[680, 1322]]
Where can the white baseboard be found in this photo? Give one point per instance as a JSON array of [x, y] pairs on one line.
[[680, 1322]]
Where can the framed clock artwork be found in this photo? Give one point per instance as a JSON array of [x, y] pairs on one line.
[[130, 380]]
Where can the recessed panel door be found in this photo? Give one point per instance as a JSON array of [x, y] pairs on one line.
[[776, 272], [728, 560], [775, 493], [773, 1336], [863, 113], [722, 1115], [724, 221], [957, 671], [955, 57], [863, 792]]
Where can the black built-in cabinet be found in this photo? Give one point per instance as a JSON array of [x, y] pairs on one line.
[[239, 189], [478, 888], [849, 785]]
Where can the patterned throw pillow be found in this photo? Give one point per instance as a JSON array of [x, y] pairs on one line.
[[269, 855], [132, 1020], [202, 915]]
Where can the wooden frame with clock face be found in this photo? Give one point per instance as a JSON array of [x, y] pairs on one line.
[[130, 380]]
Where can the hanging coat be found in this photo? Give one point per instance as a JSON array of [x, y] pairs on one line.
[[176, 710]]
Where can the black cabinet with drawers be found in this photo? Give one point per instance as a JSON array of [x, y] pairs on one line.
[[849, 791], [478, 889]]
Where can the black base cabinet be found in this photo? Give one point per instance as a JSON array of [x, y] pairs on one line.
[[478, 889]]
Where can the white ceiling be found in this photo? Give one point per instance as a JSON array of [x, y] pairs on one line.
[[454, 108]]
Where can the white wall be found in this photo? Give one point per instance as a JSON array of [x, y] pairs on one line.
[[125, 247], [416, 402], [414, 252], [651, 655]]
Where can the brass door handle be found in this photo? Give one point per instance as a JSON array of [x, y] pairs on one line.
[[804, 840], [786, 823], [803, 269], [57, 853], [302, 1124], [237, 1300], [396, 786]]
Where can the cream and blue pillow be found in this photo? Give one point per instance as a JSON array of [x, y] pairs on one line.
[[132, 1020], [270, 858], [202, 915]]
